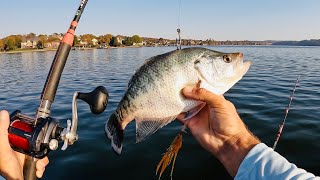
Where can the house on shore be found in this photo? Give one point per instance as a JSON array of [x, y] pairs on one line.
[[53, 41], [29, 43], [94, 42], [119, 39], [81, 45], [143, 43], [53, 44]]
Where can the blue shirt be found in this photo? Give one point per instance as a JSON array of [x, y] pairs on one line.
[[263, 162]]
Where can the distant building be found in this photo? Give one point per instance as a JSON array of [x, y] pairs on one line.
[[83, 43], [29, 43], [53, 44], [53, 41], [143, 43], [119, 39], [94, 41]]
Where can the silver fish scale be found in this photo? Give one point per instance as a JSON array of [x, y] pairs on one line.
[[154, 95], [154, 90]]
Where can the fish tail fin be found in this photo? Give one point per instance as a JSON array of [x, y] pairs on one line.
[[115, 133]]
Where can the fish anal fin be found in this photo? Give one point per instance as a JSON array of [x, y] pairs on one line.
[[147, 127]]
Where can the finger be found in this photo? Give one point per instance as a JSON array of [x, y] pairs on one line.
[[42, 163], [39, 173], [204, 95], [21, 158], [180, 117], [4, 121], [45, 161], [4, 124], [41, 166]]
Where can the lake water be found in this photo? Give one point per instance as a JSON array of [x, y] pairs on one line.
[[260, 97]]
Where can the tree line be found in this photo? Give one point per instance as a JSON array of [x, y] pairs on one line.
[[13, 42], [311, 42]]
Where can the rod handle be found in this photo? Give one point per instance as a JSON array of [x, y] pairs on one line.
[[29, 168]]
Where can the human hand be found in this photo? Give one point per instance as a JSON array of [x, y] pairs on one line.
[[11, 162], [219, 129]]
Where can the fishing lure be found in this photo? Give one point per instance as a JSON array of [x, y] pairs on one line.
[[170, 154]]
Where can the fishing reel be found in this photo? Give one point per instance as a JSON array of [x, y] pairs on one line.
[[37, 137]]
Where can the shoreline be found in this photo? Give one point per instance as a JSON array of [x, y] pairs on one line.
[[27, 50], [111, 47], [52, 49]]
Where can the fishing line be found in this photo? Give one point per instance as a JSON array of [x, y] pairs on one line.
[[285, 117], [179, 13], [178, 40]]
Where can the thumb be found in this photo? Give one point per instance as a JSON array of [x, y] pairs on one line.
[[4, 124], [201, 94]]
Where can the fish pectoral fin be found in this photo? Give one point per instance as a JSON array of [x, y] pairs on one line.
[[194, 111], [147, 127]]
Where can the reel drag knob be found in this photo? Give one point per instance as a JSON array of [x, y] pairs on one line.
[[53, 144], [97, 99]]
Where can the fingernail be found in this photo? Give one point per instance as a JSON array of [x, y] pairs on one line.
[[187, 90]]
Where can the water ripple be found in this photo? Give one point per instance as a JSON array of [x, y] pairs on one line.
[[260, 97]]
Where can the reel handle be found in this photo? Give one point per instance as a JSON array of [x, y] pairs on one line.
[[97, 99], [29, 168]]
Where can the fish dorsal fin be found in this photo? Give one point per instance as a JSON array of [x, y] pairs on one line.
[[130, 81], [147, 127]]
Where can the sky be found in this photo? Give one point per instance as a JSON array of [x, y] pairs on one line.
[[199, 19]]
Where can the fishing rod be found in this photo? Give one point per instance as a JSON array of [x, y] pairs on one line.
[[36, 137], [285, 117]]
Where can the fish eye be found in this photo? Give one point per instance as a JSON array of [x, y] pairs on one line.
[[227, 59]]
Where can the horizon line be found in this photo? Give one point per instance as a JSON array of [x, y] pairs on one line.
[[37, 34]]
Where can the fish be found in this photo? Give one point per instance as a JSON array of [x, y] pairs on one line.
[[154, 98]]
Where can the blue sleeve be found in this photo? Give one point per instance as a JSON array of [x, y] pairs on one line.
[[264, 163]]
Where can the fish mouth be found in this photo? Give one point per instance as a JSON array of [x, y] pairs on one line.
[[243, 68], [240, 70], [223, 85]]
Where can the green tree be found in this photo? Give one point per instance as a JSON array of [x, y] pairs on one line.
[[114, 42], [105, 39], [128, 41], [53, 39], [1, 45], [136, 39], [101, 39], [18, 39], [43, 39], [30, 35], [87, 38], [39, 45], [108, 39], [10, 43], [210, 42], [75, 40]]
